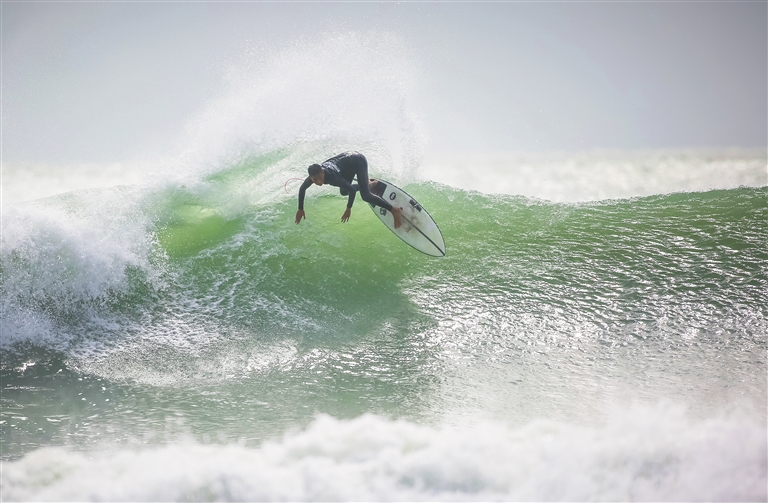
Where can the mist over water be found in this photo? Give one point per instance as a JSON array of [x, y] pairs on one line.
[[181, 338]]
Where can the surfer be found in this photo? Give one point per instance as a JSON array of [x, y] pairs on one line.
[[339, 171]]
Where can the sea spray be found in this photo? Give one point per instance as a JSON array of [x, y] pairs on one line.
[[341, 92]]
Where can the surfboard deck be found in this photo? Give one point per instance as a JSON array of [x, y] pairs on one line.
[[418, 228]]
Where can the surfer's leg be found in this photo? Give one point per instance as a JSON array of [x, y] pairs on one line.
[[361, 170]]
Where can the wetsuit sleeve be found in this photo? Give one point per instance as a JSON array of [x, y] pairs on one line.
[[303, 190], [345, 185]]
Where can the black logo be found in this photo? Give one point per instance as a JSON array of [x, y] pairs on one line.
[[392, 196], [383, 211]]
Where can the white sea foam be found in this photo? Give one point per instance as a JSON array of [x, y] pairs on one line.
[[30, 181], [646, 453], [67, 254], [596, 175]]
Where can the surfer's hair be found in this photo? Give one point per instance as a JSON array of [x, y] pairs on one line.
[[314, 169]]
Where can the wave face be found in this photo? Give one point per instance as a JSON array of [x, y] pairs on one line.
[[105, 272], [152, 315], [187, 322]]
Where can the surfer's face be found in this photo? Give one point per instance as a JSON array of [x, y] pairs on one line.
[[319, 178]]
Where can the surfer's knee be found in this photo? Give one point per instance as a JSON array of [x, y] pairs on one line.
[[344, 192]]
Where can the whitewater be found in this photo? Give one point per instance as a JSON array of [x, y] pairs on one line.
[[596, 331]]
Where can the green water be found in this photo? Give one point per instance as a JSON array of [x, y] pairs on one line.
[[238, 324]]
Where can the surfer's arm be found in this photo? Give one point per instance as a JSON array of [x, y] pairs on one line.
[[349, 189], [303, 191]]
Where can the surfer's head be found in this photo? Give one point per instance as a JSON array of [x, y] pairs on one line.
[[317, 174]]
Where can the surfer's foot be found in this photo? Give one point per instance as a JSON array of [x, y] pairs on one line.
[[397, 213]]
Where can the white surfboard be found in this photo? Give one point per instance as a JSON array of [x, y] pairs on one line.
[[418, 229]]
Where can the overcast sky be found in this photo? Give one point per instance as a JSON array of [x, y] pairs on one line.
[[107, 82]]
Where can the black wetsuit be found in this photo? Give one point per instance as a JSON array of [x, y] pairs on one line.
[[339, 171]]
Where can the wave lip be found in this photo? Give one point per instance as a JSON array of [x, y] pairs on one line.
[[645, 453], [67, 257]]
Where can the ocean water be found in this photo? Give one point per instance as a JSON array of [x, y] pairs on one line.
[[179, 338]]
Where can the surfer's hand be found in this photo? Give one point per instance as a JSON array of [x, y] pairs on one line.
[[299, 215], [346, 214]]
